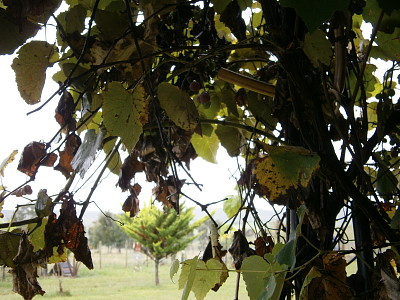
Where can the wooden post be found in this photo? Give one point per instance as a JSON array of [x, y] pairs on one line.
[[126, 253], [100, 255]]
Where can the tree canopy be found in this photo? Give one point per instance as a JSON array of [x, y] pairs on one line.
[[162, 233], [299, 90]]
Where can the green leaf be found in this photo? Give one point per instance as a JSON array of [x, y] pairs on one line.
[[314, 273], [287, 255], [261, 107], [285, 168], [388, 46], [315, 12], [6, 161], [231, 139], [124, 113], [269, 288], [30, 69], [232, 206], [386, 183], [11, 36], [36, 237], [255, 269], [73, 20], [112, 25], [178, 105], [116, 162], [174, 269], [9, 242], [207, 276], [187, 276], [317, 48], [220, 5], [206, 146]]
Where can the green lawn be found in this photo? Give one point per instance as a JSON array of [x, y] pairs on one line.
[[117, 282]]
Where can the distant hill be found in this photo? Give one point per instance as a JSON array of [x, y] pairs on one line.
[[91, 216]]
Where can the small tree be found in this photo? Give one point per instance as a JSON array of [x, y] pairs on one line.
[[161, 233], [106, 230]]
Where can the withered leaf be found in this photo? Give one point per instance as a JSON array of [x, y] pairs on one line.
[[32, 154], [131, 205], [49, 160], [25, 271], [65, 112], [240, 249], [25, 190], [264, 245], [130, 167], [68, 230], [167, 192], [71, 147], [43, 204]]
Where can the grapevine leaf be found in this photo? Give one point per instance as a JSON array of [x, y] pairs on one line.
[[286, 168], [30, 69], [255, 269], [314, 12], [314, 273], [388, 46], [9, 242], [125, 113], [174, 269], [31, 156], [73, 20], [206, 146], [6, 161], [36, 237], [231, 139], [178, 105], [269, 288], [187, 276], [317, 48], [67, 155], [207, 276], [287, 255], [115, 164], [220, 5], [86, 152], [59, 254], [232, 206], [13, 34]]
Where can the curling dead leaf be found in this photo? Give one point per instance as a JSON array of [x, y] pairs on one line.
[[25, 190], [6, 161], [66, 156], [65, 111], [32, 154], [131, 204], [30, 69], [67, 231], [25, 271], [130, 167], [286, 168]]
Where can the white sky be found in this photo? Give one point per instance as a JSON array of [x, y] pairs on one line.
[[18, 130]]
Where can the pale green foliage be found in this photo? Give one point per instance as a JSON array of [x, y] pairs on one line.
[[124, 113], [161, 233], [30, 68]]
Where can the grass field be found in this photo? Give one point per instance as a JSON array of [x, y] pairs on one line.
[[116, 281]]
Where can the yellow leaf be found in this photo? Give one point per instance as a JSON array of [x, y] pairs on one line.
[[6, 161], [30, 69], [285, 168]]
